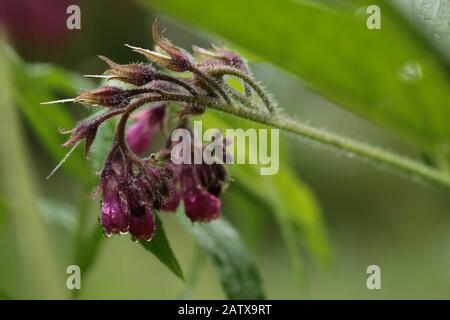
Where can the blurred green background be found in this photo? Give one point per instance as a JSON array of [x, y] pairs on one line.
[[387, 87]]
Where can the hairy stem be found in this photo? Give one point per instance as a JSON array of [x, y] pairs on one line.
[[210, 83], [121, 127], [377, 155], [165, 77], [281, 121], [221, 71]]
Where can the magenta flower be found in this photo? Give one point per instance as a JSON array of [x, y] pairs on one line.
[[142, 228], [202, 186], [173, 201], [140, 134], [115, 214], [201, 205]]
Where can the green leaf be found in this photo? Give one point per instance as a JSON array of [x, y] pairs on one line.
[[237, 271], [3, 213], [254, 224], [434, 17], [160, 247], [102, 144], [88, 248], [5, 296], [391, 76], [34, 84], [57, 212], [34, 250]]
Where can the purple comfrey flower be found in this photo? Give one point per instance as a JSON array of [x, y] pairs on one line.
[[201, 187], [201, 205], [172, 203], [142, 228], [134, 188], [142, 225], [115, 215], [148, 122], [105, 96]]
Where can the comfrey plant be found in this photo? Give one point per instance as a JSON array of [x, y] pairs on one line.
[[134, 187]]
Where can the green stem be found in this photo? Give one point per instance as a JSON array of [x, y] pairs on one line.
[[281, 121], [377, 155], [221, 71]]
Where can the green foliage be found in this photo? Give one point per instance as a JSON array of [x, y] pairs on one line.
[[160, 247], [221, 243], [389, 76], [39, 83], [19, 190], [288, 199], [88, 248]]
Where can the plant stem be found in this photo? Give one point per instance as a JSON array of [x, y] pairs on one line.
[[377, 155], [249, 80], [401, 164]]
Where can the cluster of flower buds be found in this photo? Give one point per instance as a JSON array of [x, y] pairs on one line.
[[135, 184]]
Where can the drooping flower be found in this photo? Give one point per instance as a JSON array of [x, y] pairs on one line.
[[143, 228], [115, 214], [134, 189], [142, 225], [202, 184], [148, 122], [201, 205]]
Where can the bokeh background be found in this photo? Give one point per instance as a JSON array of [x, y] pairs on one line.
[[370, 215]]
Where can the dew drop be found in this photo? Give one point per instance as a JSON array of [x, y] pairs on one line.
[[410, 72]]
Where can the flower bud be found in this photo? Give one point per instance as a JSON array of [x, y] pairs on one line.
[[171, 57], [140, 134], [105, 96], [136, 73]]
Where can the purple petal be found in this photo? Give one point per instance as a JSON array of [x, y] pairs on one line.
[[115, 217], [201, 206], [142, 228]]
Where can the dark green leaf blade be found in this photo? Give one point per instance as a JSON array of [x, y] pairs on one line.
[[160, 247], [237, 271], [391, 76], [88, 248]]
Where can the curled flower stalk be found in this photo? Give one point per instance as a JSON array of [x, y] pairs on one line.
[[134, 185]]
